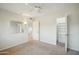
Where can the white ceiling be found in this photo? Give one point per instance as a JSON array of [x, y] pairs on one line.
[[22, 8], [29, 10]]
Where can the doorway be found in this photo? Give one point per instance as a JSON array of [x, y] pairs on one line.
[[62, 32], [36, 29]]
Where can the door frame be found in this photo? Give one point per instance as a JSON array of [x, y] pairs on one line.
[[66, 41], [38, 28]]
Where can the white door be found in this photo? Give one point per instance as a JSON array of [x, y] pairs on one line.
[[36, 28], [62, 30]]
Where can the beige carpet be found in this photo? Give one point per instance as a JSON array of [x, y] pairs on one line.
[[41, 48], [37, 48]]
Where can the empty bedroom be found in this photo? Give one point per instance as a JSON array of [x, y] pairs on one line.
[[39, 28]]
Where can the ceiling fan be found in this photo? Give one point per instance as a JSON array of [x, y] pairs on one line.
[[35, 7], [38, 8]]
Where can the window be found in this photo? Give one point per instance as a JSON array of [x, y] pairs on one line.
[[17, 27]]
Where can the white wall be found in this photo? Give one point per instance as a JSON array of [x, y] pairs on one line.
[[7, 38], [48, 24], [48, 29]]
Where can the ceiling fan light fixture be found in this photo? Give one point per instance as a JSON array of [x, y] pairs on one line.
[[37, 8]]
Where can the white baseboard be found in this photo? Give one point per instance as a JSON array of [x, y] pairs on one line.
[[48, 42]]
